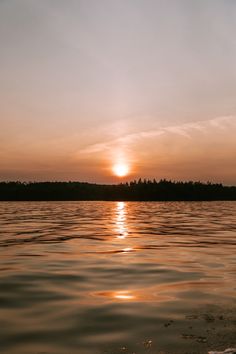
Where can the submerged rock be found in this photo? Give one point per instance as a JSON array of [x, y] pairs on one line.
[[226, 351]]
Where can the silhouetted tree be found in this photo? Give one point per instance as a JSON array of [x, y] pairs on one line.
[[141, 190]]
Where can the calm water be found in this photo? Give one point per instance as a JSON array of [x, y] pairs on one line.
[[117, 277]]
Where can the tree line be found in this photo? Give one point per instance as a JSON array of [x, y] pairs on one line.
[[137, 190]]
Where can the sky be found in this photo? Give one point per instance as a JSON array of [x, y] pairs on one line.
[[148, 84]]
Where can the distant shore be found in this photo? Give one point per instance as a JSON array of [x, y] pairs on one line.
[[141, 190]]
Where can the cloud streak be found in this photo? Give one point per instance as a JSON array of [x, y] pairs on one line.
[[185, 130]]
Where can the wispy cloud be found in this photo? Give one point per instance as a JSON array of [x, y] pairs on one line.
[[185, 130], [124, 141]]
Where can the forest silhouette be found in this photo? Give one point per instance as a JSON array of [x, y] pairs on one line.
[[141, 190]]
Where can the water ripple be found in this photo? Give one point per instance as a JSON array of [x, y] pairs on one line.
[[117, 277]]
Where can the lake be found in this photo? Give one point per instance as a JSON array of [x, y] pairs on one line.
[[117, 277]]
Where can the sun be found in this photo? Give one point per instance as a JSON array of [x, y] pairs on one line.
[[120, 170]]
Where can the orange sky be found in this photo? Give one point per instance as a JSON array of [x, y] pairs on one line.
[[86, 85]]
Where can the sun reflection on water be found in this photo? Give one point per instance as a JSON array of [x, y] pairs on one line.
[[127, 249], [120, 222], [123, 295]]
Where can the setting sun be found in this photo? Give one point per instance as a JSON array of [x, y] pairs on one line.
[[120, 170]]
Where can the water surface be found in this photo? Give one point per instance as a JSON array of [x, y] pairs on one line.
[[117, 277]]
